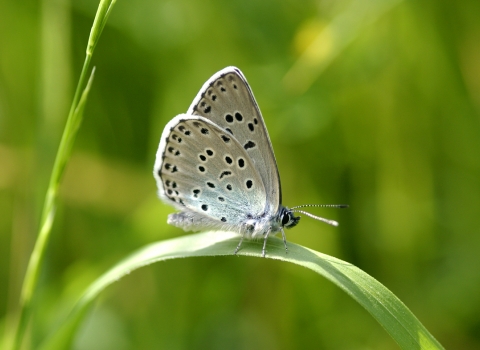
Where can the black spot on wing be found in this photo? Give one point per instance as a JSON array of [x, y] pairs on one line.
[[238, 117], [249, 144], [225, 173]]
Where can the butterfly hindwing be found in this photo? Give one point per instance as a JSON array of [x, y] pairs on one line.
[[227, 100], [204, 171]]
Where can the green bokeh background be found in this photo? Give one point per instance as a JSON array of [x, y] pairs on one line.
[[371, 103]]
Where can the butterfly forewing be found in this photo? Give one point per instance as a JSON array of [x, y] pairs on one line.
[[204, 169], [227, 100]]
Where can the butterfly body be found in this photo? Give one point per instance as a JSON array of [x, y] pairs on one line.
[[248, 226], [216, 165]]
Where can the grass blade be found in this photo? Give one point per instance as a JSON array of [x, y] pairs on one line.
[[382, 304], [36, 258], [48, 213]]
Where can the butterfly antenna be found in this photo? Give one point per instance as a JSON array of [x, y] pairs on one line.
[[330, 222], [321, 206]]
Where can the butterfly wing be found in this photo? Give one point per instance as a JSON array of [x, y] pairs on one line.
[[206, 173], [227, 100]]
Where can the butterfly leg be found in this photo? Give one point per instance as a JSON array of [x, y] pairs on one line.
[[284, 240], [265, 243], [239, 244]]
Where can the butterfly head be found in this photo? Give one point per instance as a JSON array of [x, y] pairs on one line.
[[288, 219]]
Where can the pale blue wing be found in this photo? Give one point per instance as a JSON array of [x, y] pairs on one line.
[[203, 170], [227, 100]]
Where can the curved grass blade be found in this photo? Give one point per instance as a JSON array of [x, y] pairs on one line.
[[382, 304]]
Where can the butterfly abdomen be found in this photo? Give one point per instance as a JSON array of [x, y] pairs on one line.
[[191, 221]]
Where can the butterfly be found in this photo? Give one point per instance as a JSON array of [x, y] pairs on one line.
[[216, 165]]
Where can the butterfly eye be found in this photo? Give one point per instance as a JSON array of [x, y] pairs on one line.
[[288, 220], [285, 219]]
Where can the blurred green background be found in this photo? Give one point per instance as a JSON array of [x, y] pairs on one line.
[[371, 103]]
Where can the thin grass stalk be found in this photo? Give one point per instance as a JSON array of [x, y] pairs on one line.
[[74, 120]]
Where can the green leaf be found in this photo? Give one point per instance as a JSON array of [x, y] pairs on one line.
[[385, 307]]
